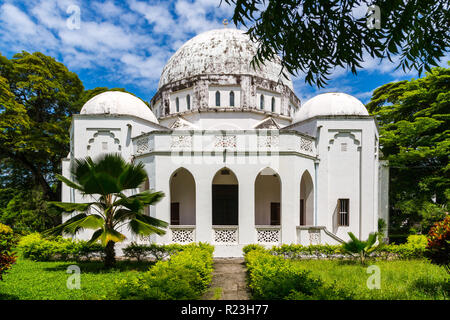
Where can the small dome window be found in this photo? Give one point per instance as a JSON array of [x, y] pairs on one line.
[[273, 104], [177, 104], [232, 99], [261, 102], [188, 102], [217, 99]]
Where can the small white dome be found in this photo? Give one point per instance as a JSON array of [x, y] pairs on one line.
[[221, 51], [331, 104], [118, 103]]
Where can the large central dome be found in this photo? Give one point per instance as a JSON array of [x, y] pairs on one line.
[[221, 51]]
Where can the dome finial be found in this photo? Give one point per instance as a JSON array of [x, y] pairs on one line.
[[225, 23]]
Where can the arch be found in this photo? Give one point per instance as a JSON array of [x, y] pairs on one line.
[[273, 104], [231, 98], [182, 198], [217, 99], [177, 104], [306, 199], [261, 102], [188, 102], [145, 186], [267, 198], [225, 198]]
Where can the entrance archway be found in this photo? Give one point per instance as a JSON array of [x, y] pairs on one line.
[[182, 198], [268, 198], [306, 200], [225, 198]]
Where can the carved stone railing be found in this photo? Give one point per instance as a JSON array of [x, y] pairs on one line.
[[225, 235], [182, 234], [268, 234]]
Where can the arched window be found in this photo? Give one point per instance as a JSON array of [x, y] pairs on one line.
[[231, 99], [273, 104], [261, 102], [217, 99], [177, 104], [188, 102]]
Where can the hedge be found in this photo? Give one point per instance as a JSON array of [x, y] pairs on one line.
[[37, 248], [153, 250], [186, 275], [414, 248], [274, 278]]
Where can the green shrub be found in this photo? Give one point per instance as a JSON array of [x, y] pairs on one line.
[[298, 250], [186, 275], [37, 248], [7, 256], [414, 248], [274, 277], [251, 247]]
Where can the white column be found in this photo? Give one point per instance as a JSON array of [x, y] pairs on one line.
[[247, 232], [290, 196], [203, 208]]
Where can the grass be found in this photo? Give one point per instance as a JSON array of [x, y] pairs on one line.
[[400, 279], [30, 280]]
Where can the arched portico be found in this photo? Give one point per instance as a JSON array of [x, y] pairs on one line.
[[268, 198], [182, 198], [225, 198], [306, 200]]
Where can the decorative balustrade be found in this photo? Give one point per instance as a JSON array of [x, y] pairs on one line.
[[268, 234], [182, 234], [225, 235]]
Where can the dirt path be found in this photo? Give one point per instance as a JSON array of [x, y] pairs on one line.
[[228, 282]]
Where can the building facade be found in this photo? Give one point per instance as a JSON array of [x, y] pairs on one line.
[[238, 156]]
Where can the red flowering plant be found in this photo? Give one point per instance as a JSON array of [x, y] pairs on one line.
[[438, 248], [7, 257]]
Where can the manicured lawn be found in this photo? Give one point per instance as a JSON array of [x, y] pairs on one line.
[[400, 279], [47, 280]]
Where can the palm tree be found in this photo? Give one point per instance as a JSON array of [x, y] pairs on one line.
[[105, 180], [359, 247]]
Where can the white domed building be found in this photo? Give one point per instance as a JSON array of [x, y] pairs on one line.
[[240, 158]]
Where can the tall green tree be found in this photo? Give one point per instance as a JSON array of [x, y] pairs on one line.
[[414, 119], [316, 36], [39, 96], [104, 181]]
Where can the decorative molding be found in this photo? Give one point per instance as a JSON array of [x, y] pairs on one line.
[[183, 235], [225, 235], [266, 235], [314, 236], [269, 141], [225, 142], [268, 123], [344, 133], [182, 124], [142, 145], [180, 142], [103, 132], [306, 145]]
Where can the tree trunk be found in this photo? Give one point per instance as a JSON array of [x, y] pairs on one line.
[[110, 254]]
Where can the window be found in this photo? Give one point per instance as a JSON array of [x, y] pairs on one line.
[[261, 102], [177, 104], [275, 213], [273, 104], [188, 102], [231, 99], [343, 212], [175, 213], [217, 99]]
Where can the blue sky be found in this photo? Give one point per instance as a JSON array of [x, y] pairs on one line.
[[127, 43]]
